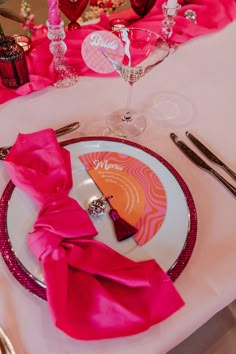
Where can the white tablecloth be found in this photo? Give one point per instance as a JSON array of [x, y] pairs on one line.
[[204, 71]]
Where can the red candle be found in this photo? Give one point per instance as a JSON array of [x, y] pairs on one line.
[[53, 12]]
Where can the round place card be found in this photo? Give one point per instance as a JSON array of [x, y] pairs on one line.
[[99, 49]]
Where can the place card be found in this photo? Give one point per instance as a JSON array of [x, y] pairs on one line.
[[97, 43]]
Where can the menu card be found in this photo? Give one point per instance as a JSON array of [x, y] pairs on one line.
[[138, 194]]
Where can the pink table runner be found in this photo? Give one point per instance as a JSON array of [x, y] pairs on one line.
[[212, 15]]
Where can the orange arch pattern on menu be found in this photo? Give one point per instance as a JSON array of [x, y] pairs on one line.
[[138, 193]]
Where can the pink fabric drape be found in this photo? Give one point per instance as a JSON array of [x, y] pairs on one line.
[[93, 292], [212, 15]]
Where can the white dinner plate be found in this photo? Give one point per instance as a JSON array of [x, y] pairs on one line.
[[171, 246]]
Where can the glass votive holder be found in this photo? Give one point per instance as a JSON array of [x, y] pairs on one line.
[[23, 41], [118, 23], [13, 65]]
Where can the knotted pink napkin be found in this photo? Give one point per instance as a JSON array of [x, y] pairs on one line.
[[93, 292], [212, 15]]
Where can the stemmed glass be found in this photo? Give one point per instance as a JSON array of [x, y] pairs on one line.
[[142, 7], [73, 9], [143, 50]]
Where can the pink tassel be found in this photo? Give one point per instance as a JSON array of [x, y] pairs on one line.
[[123, 229]]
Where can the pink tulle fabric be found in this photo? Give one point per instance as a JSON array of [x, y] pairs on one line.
[[93, 292], [212, 15]]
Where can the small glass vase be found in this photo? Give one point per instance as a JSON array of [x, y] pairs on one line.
[[65, 74]]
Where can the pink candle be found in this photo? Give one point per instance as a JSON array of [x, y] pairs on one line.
[[53, 12]]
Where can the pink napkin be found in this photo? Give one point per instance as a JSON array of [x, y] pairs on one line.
[[93, 292], [212, 15]]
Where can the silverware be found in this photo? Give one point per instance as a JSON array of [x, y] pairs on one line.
[[67, 129], [5, 344], [2, 347], [58, 132], [210, 155], [201, 163]]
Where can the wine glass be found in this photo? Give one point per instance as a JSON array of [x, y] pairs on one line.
[[143, 50], [142, 7], [73, 9]]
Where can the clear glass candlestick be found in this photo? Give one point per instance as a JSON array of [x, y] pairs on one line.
[[171, 109], [65, 75], [169, 20]]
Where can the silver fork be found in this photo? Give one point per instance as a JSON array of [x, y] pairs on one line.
[[4, 150], [5, 344]]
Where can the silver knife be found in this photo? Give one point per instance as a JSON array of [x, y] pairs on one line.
[[58, 132], [210, 155], [201, 163], [5, 344]]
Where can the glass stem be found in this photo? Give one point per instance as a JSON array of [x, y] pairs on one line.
[[127, 115]]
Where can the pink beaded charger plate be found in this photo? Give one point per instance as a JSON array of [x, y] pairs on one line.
[[144, 174]]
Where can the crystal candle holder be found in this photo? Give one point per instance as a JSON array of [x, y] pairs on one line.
[[169, 22], [65, 75]]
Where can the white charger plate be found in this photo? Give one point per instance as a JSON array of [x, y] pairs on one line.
[[171, 247]]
